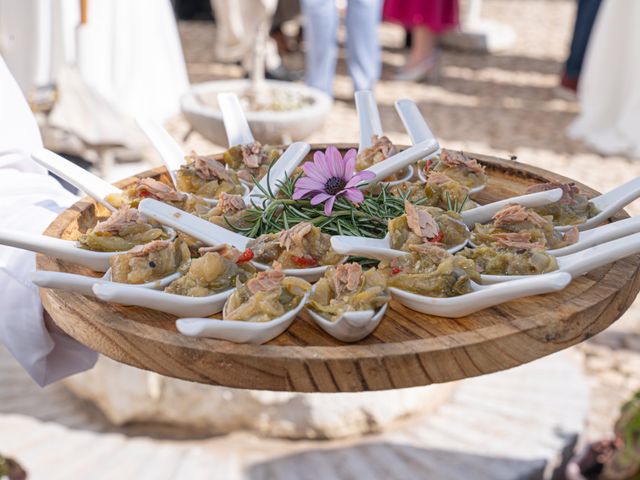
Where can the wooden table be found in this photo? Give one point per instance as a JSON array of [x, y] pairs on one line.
[[407, 349]]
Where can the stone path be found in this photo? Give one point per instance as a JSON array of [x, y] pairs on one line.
[[510, 425]]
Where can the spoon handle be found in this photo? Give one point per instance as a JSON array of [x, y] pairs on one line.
[[491, 295], [413, 121], [80, 178], [596, 236], [158, 300], [66, 250], [235, 122], [378, 249], [169, 150], [615, 199], [368, 118], [401, 160], [66, 281], [485, 213], [196, 227], [595, 257], [283, 168]]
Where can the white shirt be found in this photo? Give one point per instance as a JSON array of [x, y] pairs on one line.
[[29, 201]]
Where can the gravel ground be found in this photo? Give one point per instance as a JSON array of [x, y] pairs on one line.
[[502, 104]]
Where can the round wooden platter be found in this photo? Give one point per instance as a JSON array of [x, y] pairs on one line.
[[407, 349]]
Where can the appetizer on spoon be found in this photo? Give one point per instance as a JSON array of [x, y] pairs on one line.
[[348, 303], [581, 262], [437, 283], [455, 165], [256, 312], [154, 265], [195, 174], [374, 145], [576, 209]]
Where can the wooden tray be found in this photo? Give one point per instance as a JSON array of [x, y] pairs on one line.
[[407, 349]]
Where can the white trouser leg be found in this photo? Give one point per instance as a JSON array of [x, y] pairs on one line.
[[321, 52], [363, 47]]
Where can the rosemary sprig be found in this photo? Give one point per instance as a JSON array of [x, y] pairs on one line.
[[273, 213], [455, 206]]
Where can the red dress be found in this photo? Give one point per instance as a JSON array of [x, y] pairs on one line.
[[438, 15]]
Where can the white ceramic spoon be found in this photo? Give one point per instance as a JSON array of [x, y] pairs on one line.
[[66, 250], [235, 122], [485, 213], [84, 285], [376, 248], [581, 262], [419, 130], [170, 152], [78, 177], [239, 331], [370, 125], [212, 234], [598, 235], [610, 203], [482, 296], [351, 326], [178, 305]]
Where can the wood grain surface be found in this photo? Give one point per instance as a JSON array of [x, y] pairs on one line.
[[407, 349]]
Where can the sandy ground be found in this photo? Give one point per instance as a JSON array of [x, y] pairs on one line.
[[502, 104]]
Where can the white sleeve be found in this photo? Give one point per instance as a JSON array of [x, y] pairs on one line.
[[29, 200]]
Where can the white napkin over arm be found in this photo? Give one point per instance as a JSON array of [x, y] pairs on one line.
[[29, 201]]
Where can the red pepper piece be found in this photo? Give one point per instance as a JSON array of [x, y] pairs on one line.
[[395, 270], [305, 261], [438, 238], [245, 256]]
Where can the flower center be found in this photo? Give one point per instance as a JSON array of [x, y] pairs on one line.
[[334, 185]]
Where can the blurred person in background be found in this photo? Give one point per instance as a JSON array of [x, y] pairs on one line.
[[242, 28], [287, 10], [320, 25], [585, 17], [609, 121], [425, 20]]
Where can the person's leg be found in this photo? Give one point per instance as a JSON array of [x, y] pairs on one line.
[[363, 47], [321, 50], [422, 47], [585, 17]]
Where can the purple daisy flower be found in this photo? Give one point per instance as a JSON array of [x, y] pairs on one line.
[[329, 176]]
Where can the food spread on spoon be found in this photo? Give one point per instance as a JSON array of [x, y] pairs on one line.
[[251, 160], [301, 246], [149, 262], [573, 207], [439, 191], [518, 227], [433, 272], [458, 166], [218, 269], [266, 296], [122, 231], [207, 177], [348, 288], [381, 148], [423, 226]]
